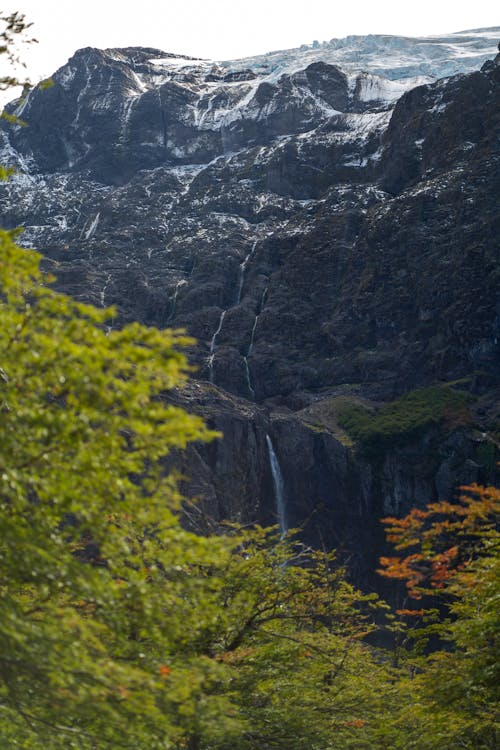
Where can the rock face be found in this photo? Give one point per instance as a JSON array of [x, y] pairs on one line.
[[319, 229]]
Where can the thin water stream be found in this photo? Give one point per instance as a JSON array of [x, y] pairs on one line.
[[212, 346], [279, 487], [237, 300]]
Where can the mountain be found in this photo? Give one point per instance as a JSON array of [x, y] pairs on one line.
[[325, 222]]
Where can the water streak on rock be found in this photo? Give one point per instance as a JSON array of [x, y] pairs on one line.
[[93, 226], [243, 267], [248, 378], [279, 487], [103, 290], [180, 283], [212, 347]]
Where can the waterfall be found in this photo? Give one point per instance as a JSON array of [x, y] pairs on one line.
[[250, 346], [252, 336], [212, 347], [278, 486], [180, 283], [248, 378], [93, 226], [241, 282], [103, 290], [243, 267], [126, 114]]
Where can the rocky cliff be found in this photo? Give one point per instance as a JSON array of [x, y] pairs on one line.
[[328, 234]]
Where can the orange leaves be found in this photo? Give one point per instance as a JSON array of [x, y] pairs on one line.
[[443, 566], [444, 538], [413, 569], [401, 568], [411, 612], [164, 671], [403, 532]]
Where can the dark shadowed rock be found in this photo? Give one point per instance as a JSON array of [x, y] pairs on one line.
[[319, 231]]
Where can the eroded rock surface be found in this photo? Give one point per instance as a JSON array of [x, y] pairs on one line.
[[317, 227]]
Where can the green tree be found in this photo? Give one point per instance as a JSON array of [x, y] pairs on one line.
[[450, 551], [13, 27], [291, 633], [88, 524], [119, 628]]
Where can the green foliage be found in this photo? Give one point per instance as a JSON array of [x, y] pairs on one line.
[[452, 549], [459, 687], [118, 628], [6, 172], [291, 630], [13, 28], [405, 418], [486, 453], [88, 530]]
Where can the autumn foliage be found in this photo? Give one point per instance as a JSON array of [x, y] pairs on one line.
[[437, 543], [448, 554]]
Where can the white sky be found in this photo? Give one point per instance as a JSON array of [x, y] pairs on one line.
[[226, 29]]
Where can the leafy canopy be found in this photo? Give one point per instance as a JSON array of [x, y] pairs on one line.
[[88, 517], [450, 552], [119, 628]]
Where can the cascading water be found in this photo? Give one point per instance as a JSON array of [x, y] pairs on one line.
[[127, 112], [243, 268], [248, 378], [241, 282], [250, 347], [180, 283], [279, 487], [252, 336], [103, 290], [212, 347], [245, 360], [93, 226]]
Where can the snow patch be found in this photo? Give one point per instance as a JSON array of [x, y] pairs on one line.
[[65, 76], [371, 88]]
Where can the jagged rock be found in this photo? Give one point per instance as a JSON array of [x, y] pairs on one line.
[[315, 226]]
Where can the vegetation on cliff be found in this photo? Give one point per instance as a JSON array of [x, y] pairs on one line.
[[404, 419]]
